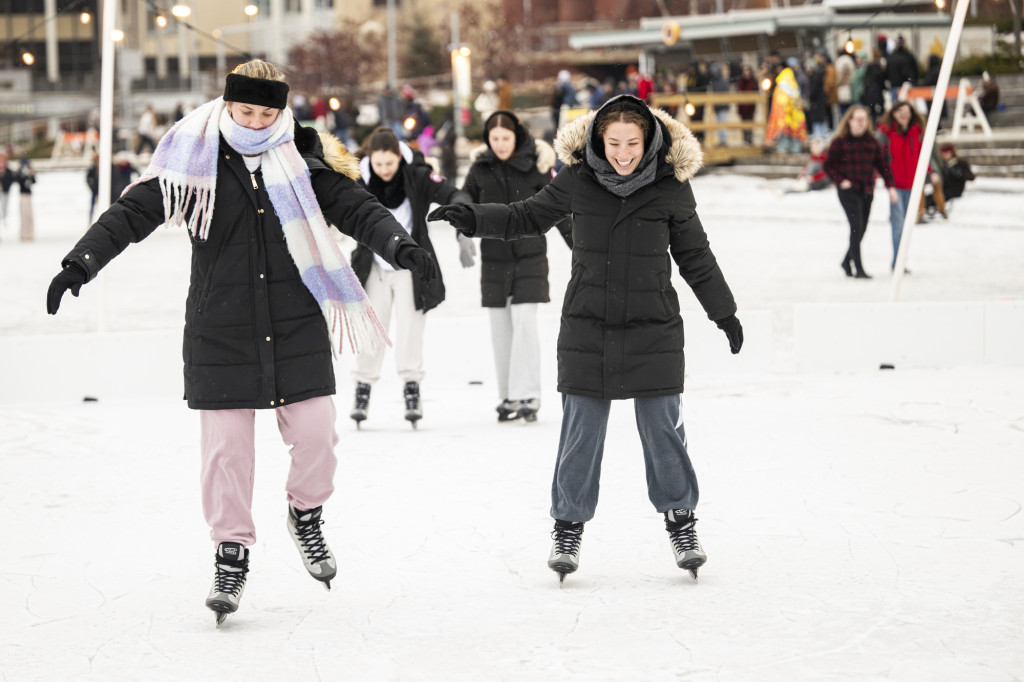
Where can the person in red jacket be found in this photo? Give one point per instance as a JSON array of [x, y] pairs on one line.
[[852, 160], [901, 132]]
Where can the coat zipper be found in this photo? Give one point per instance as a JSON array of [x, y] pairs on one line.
[[253, 178]]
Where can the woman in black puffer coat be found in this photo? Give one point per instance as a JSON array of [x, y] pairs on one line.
[[626, 186], [256, 332], [512, 166]]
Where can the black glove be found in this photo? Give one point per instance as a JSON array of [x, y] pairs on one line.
[[419, 261], [734, 330], [72, 277], [460, 216]]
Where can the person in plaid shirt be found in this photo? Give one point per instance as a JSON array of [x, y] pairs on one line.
[[852, 161]]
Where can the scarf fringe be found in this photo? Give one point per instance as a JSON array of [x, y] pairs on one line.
[[177, 197], [358, 322]]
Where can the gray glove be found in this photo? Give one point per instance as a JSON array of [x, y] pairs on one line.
[[467, 251]]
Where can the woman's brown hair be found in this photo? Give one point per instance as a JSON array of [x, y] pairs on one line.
[[382, 139], [889, 120], [843, 129], [621, 112]]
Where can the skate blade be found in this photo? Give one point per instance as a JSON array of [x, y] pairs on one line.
[[326, 584], [221, 617], [692, 566]]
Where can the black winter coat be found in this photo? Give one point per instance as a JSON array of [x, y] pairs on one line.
[[621, 333], [422, 187], [254, 335], [517, 269]]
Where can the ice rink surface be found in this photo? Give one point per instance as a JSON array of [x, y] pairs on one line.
[[859, 525]]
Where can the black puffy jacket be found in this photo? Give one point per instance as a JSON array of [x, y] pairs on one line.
[[254, 335], [621, 333], [422, 187], [517, 269]]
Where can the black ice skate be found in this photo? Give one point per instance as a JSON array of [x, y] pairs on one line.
[[565, 548], [508, 410], [681, 533], [232, 563], [362, 403], [304, 527], [528, 409], [413, 413]]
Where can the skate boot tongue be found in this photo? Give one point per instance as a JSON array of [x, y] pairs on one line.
[[231, 551], [308, 516], [679, 516]]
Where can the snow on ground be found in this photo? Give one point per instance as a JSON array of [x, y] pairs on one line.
[[859, 526]]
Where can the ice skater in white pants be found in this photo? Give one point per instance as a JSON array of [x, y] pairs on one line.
[[511, 165], [406, 185]]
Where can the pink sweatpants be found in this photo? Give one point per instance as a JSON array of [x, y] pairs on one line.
[[228, 450]]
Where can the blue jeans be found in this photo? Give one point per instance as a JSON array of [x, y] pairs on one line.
[[671, 481], [897, 214]]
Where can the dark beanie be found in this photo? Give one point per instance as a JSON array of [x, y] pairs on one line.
[[259, 91]]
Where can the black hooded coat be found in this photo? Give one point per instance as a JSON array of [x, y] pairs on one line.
[[517, 269], [621, 334]]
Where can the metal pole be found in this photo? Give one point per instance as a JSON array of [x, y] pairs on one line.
[[161, 55], [106, 131], [392, 49], [184, 60], [460, 129], [52, 58], [276, 21], [949, 56]]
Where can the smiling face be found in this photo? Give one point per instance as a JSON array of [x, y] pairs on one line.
[[385, 164], [252, 116], [502, 142], [858, 122], [623, 146], [901, 114]]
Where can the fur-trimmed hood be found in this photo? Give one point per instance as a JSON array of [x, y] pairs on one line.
[[330, 148], [338, 157], [684, 155]]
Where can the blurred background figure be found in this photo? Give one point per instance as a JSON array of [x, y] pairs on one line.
[[988, 92], [7, 180], [26, 178], [146, 131], [487, 101]]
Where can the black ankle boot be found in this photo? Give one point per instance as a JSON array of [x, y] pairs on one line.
[[845, 265]]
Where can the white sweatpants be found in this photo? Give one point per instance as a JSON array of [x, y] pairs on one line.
[[516, 350], [391, 291]]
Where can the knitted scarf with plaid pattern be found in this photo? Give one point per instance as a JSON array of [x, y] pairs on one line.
[[185, 163]]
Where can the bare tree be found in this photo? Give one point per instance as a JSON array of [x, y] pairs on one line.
[[495, 44], [338, 61]]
